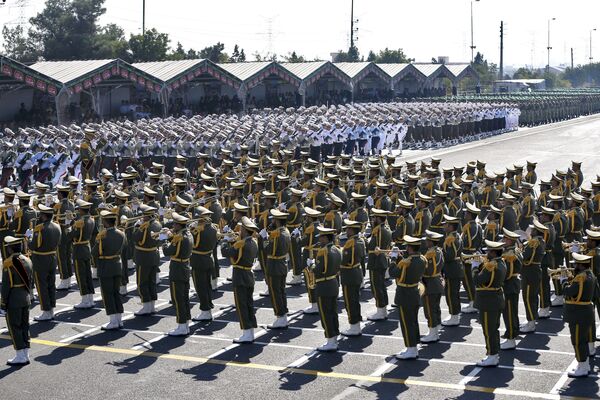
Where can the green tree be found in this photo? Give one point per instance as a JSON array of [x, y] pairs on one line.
[[18, 46], [215, 53], [179, 53], [352, 55], [487, 72], [154, 46], [372, 57], [294, 58], [110, 42], [388, 56]]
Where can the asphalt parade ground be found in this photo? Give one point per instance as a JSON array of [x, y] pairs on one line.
[[72, 358]]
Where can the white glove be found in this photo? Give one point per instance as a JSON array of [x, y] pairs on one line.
[[250, 198], [194, 225], [263, 234], [563, 279], [10, 212], [230, 239], [101, 205], [345, 215], [201, 201], [67, 221], [574, 248], [296, 232], [226, 229], [304, 193], [370, 201], [162, 236], [123, 219], [282, 207], [395, 252], [310, 262], [161, 211], [475, 264], [138, 222], [29, 233]]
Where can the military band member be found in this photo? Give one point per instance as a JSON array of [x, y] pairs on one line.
[[15, 297], [124, 213], [545, 218], [492, 229], [242, 252], [512, 285], [408, 272], [453, 269], [333, 217], [377, 264], [326, 267], [87, 153], [7, 212], [579, 311], [489, 299], [423, 215], [79, 235], [146, 257], [204, 235], [530, 177], [110, 242], [434, 286], [64, 213], [528, 206], [24, 217], [309, 244], [531, 275], [353, 252], [179, 251], [294, 224], [472, 236]]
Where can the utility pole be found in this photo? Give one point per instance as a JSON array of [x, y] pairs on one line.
[[591, 55], [144, 27], [572, 64], [501, 50], [549, 47], [472, 41], [352, 25]]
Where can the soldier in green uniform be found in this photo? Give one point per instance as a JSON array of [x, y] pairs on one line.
[[423, 215], [43, 245], [110, 242], [512, 285], [146, 257], [545, 218], [528, 206], [123, 214], [377, 264], [277, 245], [359, 211], [579, 311], [204, 234], [408, 273], [64, 211], [326, 267], [453, 269], [86, 152], [531, 275], [439, 210], [15, 297], [6, 214], [179, 251], [295, 209], [310, 244], [79, 235], [508, 216], [242, 253], [489, 299], [472, 236], [333, 218], [24, 217], [405, 223], [353, 252], [434, 286]]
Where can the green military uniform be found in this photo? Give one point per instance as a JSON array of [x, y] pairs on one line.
[[326, 270], [579, 312], [16, 298], [558, 252], [179, 250], [353, 252], [65, 247], [377, 264], [22, 221], [80, 236], [5, 229], [43, 245], [204, 242], [294, 221], [472, 237], [434, 286], [547, 262], [309, 244], [277, 249], [489, 300], [127, 251], [512, 286], [242, 254], [107, 258], [453, 271], [408, 273], [146, 258], [531, 275]]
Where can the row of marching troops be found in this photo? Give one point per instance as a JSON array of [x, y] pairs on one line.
[[542, 107], [325, 224]]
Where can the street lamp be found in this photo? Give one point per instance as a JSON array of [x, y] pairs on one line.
[[549, 47], [472, 45], [591, 56]]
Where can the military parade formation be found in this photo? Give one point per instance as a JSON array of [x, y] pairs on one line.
[[315, 197]]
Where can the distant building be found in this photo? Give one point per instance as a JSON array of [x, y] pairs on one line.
[[518, 85]]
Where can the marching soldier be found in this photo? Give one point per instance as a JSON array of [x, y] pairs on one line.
[[146, 257], [44, 245], [309, 244], [434, 286], [512, 285], [353, 252], [408, 273], [326, 267], [294, 225], [528, 206], [423, 215], [242, 253], [24, 218], [79, 235], [87, 154], [110, 242], [531, 275], [561, 226], [377, 264], [439, 210], [124, 213], [472, 236], [7, 212], [545, 218], [492, 228], [204, 234], [15, 298], [64, 215], [405, 223], [489, 299], [453, 269], [179, 251]]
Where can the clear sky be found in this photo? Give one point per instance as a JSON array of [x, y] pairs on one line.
[[315, 28]]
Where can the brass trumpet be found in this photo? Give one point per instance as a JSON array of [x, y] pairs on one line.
[[562, 272], [569, 246], [477, 257]]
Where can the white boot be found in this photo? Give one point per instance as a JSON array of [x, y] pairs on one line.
[[2, 313], [592, 349], [20, 358], [354, 330], [130, 264], [45, 316], [410, 353], [145, 310], [279, 323], [123, 290], [313, 309], [432, 336], [470, 309], [489, 361], [120, 320], [203, 316], [157, 278], [544, 312], [582, 369], [94, 273], [85, 303], [247, 336], [330, 345], [379, 315], [181, 330], [527, 327], [557, 301], [265, 293], [296, 280], [64, 284], [112, 325], [452, 320], [508, 344], [214, 283]]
